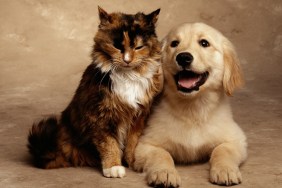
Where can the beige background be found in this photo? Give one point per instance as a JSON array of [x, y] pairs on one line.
[[45, 45]]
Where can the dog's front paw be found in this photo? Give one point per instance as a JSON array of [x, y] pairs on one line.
[[225, 175], [164, 178], [114, 172]]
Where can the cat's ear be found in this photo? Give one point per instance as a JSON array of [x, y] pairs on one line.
[[104, 16], [153, 16]]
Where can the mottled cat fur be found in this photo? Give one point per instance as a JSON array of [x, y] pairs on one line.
[[101, 125]]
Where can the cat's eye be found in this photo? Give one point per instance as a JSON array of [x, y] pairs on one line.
[[204, 43], [117, 43], [118, 46], [174, 43], [139, 47]]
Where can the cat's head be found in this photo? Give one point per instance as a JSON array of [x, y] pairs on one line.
[[125, 41]]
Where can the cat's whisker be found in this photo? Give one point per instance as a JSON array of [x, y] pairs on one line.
[[105, 73], [113, 68], [102, 80]]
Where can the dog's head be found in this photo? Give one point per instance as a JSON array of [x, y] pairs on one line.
[[196, 57]]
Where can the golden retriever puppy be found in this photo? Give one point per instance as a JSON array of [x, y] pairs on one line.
[[193, 120]]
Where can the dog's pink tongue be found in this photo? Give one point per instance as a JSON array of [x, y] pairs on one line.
[[188, 82]]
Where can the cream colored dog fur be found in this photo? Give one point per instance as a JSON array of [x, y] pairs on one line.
[[193, 120]]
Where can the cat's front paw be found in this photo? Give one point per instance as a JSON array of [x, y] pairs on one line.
[[114, 172], [164, 178], [225, 175]]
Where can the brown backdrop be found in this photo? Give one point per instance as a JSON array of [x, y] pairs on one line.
[[45, 45]]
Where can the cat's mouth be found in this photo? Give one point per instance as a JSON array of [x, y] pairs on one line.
[[127, 66], [188, 81]]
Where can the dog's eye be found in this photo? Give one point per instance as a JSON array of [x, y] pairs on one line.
[[204, 43], [174, 43]]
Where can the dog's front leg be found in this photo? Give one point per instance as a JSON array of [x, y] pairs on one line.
[[225, 160], [158, 165]]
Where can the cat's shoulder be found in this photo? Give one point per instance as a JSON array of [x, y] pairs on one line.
[[95, 75]]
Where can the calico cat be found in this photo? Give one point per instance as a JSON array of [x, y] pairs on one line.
[[101, 125]]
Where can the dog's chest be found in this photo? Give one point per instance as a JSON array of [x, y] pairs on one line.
[[189, 143]]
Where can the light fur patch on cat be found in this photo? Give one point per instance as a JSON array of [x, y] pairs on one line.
[[127, 57], [130, 87]]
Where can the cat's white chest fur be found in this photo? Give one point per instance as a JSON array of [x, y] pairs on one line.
[[130, 87]]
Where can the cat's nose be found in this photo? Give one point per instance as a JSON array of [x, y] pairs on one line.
[[127, 58]]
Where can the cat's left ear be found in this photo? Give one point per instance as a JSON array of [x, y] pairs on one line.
[[153, 17]]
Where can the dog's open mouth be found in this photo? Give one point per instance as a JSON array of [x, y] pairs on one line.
[[188, 81]]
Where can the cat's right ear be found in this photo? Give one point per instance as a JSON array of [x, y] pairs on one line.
[[105, 18], [153, 16]]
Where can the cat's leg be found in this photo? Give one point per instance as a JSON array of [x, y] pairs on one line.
[[133, 135], [158, 165], [225, 160], [160, 80], [110, 155]]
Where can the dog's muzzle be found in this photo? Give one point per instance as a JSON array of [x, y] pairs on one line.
[[188, 80]]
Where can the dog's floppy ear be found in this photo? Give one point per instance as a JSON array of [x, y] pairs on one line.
[[232, 77]]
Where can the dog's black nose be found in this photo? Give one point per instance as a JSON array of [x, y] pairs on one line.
[[184, 59]]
